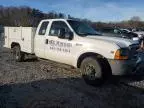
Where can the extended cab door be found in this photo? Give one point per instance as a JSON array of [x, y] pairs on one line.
[[40, 39], [58, 49]]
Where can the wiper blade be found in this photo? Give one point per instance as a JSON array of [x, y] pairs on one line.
[[85, 34], [94, 34]]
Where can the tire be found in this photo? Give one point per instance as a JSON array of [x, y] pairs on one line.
[[17, 54], [91, 70]]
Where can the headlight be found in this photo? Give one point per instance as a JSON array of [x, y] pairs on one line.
[[141, 35], [135, 38], [122, 54]]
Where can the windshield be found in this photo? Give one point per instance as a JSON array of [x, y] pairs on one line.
[[82, 29]]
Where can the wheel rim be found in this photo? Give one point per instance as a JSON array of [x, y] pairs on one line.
[[90, 71]]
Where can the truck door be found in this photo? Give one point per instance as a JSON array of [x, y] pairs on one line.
[[58, 49], [39, 44]]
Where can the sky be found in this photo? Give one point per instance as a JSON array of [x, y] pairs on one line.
[[95, 10]]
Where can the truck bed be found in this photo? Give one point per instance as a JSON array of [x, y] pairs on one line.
[[24, 36]]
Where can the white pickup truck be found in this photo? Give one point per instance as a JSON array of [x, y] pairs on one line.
[[77, 44]]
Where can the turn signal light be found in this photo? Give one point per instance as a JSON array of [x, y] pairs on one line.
[[119, 56]]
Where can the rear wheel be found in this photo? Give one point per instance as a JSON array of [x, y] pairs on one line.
[[91, 70], [17, 54]]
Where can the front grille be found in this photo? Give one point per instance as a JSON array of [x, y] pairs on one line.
[[133, 51]]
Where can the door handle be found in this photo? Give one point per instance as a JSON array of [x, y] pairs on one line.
[[22, 39], [46, 41]]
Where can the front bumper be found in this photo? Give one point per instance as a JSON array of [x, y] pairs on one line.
[[123, 67]]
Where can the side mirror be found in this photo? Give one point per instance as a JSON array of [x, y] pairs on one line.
[[65, 35], [69, 35], [61, 33]]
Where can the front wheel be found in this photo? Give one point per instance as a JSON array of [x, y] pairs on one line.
[[17, 54], [91, 70]]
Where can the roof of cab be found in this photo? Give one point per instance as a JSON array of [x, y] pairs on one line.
[[59, 19]]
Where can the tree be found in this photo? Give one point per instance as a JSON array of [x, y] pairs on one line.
[[24, 16], [135, 18]]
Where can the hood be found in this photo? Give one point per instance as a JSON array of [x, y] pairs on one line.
[[121, 42]]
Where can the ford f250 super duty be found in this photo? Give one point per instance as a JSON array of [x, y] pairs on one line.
[[77, 44]]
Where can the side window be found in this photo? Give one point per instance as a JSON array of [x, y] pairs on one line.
[[56, 25], [43, 28]]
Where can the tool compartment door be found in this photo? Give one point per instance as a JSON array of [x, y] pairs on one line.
[[6, 37]]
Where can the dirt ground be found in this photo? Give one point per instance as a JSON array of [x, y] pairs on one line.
[[46, 84]]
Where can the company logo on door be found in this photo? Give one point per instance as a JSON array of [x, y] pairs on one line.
[[59, 46]]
